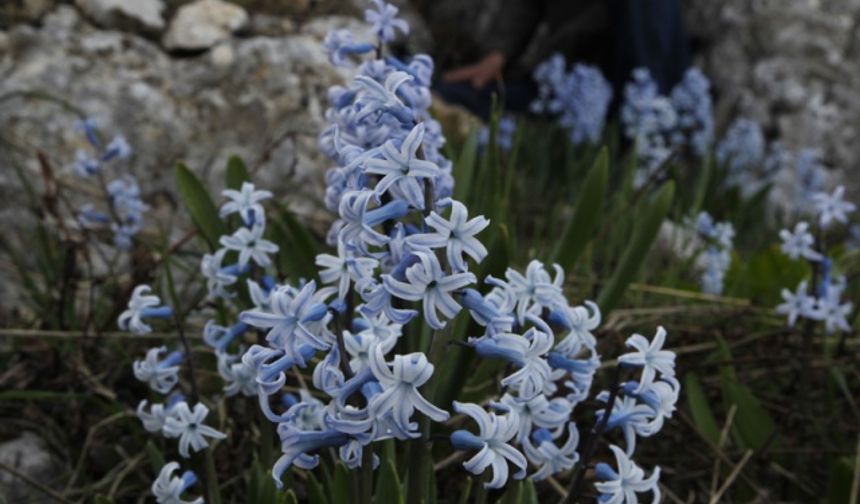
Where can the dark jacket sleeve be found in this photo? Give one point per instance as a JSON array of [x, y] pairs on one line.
[[514, 26]]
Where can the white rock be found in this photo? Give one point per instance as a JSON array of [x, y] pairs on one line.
[[28, 455], [204, 23], [144, 15]]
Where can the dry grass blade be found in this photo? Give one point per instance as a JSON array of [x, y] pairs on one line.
[[715, 477], [731, 479]]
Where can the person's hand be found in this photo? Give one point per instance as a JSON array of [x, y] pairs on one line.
[[481, 73]]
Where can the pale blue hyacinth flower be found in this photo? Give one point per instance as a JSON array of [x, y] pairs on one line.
[[85, 165], [832, 311], [691, 99], [620, 485], [219, 337], [188, 426], [296, 445], [798, 304], [118, 148], [245, 202], [271, 365], [492, 443], [650, 356], [539, 411], [345, 268], [401, 168], [340, 46], [375, 97], [742, 149], [217, 276], [426, 282], [580, 321], [377, 299], [385, 21], [239, 376], [542, 451], [661, 397], [536, 290], [356, 222], [161, 374], [168, 489], [142, 306], [154, 419], [799, 243], [400, 381], [455, 234], [250, 244], [832, 207], [630, 416], [531, 349], [291, 319]]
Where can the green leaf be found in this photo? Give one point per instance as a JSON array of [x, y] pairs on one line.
[[101, 499], [644, 234], [156, 459], [702, 185], [316, 494], [700, 409], [200, 206], [388, 487], [467, 491], [464, 168], [289, 498], [753, 426], [840, 480], [340, 491], [237, 173], [587, 215], [514, 494], [529, 493], [297, 247]]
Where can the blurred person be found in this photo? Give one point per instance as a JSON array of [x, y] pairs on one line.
[[616, 35]]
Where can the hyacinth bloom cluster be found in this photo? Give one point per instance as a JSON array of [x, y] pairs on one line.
[[122, 210], [715, 259], [402, 256], [175, 417], [821, 301], [579, 97]]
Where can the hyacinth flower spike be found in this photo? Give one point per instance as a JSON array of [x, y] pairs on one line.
[[620, 486], [168, 489], [160, 374], [142, 306], [492, 444]]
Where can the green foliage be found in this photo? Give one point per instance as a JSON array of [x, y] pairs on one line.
[[647, 225], [200, 206], [237, 173], [700, 408], [388, 487], [587, 215]]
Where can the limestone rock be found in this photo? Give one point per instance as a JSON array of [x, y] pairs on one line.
[[202, 24], [28, 455], [142, 15]]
